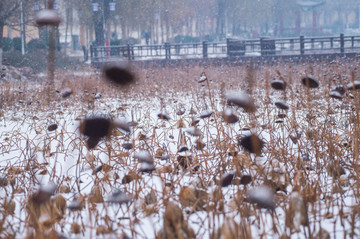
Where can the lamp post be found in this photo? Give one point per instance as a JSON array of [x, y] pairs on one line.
[[22, 28], [101, 9], [44, 30]]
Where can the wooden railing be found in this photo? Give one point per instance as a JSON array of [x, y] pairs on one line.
[[232, 48]]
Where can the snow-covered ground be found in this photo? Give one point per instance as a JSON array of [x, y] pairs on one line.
[[308, 166]]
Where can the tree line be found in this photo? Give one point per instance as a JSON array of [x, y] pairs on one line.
[[163, 20]]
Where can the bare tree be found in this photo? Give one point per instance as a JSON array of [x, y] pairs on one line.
[[10, 10]]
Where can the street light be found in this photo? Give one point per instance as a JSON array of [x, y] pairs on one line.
[[43, 32], [100, 16], [22, 28], [36, 6]]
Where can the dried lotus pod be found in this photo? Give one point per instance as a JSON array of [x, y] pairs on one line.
[[193, 131], [278, 84], [226, 179], [335, 94], [252, 143], [118, 74], [263, 196], [123, 125], [245, 179], [229, 116], [75, 205], [97, 127], [144, 156], [310, 82], [146, 167], [3, 181], [339, 88], [118, 196], [203, 77], [65, 93], [353, 85], [206, 114], [183, 148], [242, 100], [164, 116], [281, 105], [44, 193], [127, 145], [52, 127], [48, 17]]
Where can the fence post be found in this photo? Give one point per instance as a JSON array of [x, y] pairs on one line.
[[352, 42], [91, 53], [167, 51], [312, 43], [132, 52], [302, 45], [331, 42], [227, 46], [262, 48], [129, 51], [205, 49], [342, 43]]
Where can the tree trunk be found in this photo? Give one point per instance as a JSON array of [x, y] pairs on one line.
[[162, 31], [115, 29], [66, 28], [123, 32], [1, 46]]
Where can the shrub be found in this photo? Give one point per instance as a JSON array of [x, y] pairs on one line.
[[132, 40], [7, 44], [36, 44], [185, 39], [17, 43], [210, 38], [16, 59], [115, 42]]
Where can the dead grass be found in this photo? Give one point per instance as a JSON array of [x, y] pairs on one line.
[[309, 162]]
